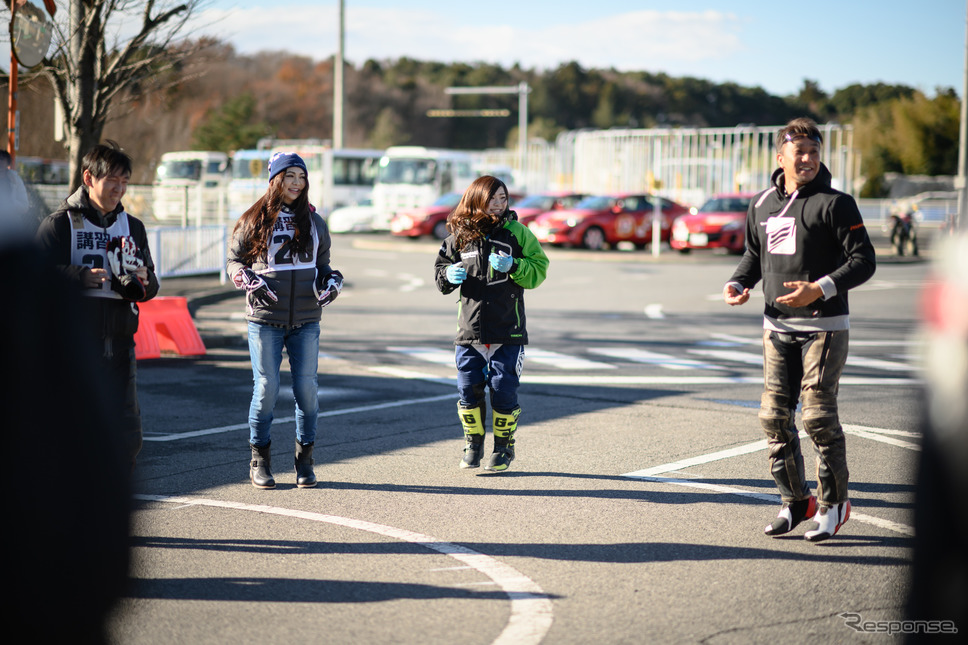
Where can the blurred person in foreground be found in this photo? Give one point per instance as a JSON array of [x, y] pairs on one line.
[[489, 258], [939, 571], [808, 244], [69, 558], [103, 251]]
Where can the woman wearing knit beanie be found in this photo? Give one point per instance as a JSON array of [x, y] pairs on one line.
[[279, 255]]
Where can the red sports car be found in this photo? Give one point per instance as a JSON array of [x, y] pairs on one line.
[[719, 224], [531, 206], [429, 220], [599, 221]]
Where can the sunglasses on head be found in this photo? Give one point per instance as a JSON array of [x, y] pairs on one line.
[[793, 136]]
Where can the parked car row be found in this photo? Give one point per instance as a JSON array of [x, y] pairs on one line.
[[576, 220]]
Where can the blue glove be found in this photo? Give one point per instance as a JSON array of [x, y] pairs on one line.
[[500, 262], [456, 274]]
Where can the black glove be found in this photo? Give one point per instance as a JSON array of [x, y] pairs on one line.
[[123, 260], [255, 286], [328, 287]]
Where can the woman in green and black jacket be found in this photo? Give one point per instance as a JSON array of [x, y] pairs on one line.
[[491, 258]]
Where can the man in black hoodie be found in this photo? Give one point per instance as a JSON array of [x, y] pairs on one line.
[[103, 251], [808, 244]]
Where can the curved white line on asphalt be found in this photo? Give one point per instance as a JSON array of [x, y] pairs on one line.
[[531, 610]]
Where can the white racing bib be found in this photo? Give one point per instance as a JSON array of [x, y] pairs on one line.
[[281, 257], [89, 247]]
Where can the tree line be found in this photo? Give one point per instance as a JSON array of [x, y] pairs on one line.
[[220, 100]]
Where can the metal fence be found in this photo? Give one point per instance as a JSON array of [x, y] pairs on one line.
[[194, 250], [684, 164]]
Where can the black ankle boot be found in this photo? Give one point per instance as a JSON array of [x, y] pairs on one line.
[[260, 471], [305, 477]]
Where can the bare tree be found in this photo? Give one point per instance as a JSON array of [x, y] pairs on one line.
[[90, 75]]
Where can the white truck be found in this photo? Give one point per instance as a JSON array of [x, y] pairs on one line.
[[190, 185]]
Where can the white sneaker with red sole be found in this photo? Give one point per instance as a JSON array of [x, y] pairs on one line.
[[828, 521]]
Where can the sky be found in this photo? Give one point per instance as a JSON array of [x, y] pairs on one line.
[[769, 44]]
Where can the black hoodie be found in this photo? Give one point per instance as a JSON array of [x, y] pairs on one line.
[[816, 235]]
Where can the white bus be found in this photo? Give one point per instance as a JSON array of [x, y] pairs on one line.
[[188, 185], [336, 177], [414, 176], [248, 179]]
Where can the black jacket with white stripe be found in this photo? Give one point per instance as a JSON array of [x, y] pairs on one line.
[[815, 234]]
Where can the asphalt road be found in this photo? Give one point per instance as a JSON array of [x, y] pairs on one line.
[[632, 514]]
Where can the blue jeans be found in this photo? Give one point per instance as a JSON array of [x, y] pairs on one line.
[[500, 371], [265, 349]]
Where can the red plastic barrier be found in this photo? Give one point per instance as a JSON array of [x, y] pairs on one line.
[[166, 325]]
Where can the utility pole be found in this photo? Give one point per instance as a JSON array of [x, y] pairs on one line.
[[338, 80], [12, 113]]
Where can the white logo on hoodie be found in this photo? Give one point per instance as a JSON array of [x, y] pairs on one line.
[[781, 235]]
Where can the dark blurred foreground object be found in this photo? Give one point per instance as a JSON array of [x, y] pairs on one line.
[[939, 575], [66, 533]]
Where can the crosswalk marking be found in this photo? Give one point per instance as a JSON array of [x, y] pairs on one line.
[[730, 355], [570, 362], [666, 361], [875, 363], [563, 361], [757, 359], [429, 354]]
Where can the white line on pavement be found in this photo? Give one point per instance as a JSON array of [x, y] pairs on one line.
[[654, 312], [889, 525], [666, 361], [651, 474], [531, 609], [563, 361], [177, 436]]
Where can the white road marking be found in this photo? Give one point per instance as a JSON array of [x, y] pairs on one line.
[[531, 609], [652, 474], [177, 436], [878, 364], [888, 525], [411, 282], [666, 361], [757, 359], [861, 431], [877, 434], [730, 355], [758, 340], [563, 361], [428, 354], [654, 312], [399, 372], [746, 449], [591, 379]]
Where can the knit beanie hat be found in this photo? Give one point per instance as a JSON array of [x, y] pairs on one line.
[[283, 160]]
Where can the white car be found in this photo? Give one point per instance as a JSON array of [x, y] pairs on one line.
[[358, 218]]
